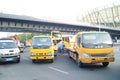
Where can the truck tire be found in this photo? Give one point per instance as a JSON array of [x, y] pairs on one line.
[[52, 60], [80, 64], [33, 61], [21, 51], [69, 55], [55, 53], [105, 64]]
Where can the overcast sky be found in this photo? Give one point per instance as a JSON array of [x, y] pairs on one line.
[[67, 10]]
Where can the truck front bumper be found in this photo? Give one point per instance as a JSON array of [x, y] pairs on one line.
[[97, 59], [41, 57]]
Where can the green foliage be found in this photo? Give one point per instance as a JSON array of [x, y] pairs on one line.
[[25, 36]]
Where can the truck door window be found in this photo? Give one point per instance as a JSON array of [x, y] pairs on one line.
[[67, 39], [79, 41]]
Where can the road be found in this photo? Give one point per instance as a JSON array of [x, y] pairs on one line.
[[63, 68]]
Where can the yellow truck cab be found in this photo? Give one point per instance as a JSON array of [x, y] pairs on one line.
[[68, 40], [56, 37], [42, 48], [55, 45], [92, 47]]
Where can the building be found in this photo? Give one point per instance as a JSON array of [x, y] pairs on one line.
[[108, 16]]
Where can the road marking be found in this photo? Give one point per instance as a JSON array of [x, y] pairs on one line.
[[58, 70]]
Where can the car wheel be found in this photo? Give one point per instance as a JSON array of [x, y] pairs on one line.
[[18, 60]]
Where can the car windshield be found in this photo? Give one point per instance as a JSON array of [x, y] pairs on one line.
[[7, 45], [41, 42]]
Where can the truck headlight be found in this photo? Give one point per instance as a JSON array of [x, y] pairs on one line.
[[85, 55], [110, 54], [32, 54], [50, 54]]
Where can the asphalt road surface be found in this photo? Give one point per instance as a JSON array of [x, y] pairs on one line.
[[63, 68]]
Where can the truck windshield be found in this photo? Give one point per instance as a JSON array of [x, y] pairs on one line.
[[56, 34], [7, 45], [41, 42], [96, 40]]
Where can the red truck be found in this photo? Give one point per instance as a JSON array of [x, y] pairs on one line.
[[20, 46]]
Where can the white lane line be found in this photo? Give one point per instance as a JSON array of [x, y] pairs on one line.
[[58, 70]]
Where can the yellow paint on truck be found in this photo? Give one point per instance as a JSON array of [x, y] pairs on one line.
[[42, 48], [92, 47], [66, 41]]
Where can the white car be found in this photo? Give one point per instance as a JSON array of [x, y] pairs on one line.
[[9, 51]]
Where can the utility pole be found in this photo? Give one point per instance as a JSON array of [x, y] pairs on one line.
[[98, 20]]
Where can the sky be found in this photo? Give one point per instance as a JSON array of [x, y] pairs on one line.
[[63, 10]]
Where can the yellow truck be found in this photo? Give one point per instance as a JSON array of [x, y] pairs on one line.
[[56, 37], [42, 48], [68, 40], [92, 47]]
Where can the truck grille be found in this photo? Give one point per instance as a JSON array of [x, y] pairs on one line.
[[41, 54], [98, 55]]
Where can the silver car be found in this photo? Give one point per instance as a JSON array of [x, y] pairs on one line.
[[9, 51]]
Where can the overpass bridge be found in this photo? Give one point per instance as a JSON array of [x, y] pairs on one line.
[[18, 23]]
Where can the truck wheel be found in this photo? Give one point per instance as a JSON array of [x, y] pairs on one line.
[[105, 64], [18, 60], [55, 53], [51, 60], [33, 61], [69, 54], [80, 64]]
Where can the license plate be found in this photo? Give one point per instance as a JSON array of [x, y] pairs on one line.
[[100, 59], [9, 59]]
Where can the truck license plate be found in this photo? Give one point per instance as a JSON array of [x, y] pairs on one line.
[[101, 59]]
